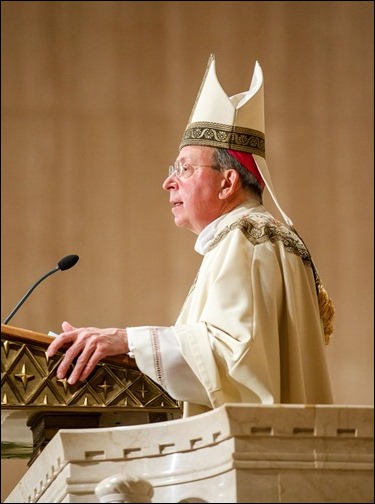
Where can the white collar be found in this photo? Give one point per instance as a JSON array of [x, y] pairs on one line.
[[207, 234]]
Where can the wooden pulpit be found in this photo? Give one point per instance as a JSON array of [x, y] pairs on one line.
[[35, 404]]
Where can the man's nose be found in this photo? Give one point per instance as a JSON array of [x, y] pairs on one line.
[[170, 182]]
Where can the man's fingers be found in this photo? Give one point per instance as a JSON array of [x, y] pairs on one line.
[[66, 327], [80, 370], [81, 375], [58, 342], [69, 356], [87, 347]]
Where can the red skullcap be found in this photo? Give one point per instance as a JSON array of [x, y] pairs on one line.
[[247, 160]]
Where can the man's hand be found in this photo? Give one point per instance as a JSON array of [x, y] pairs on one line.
[[90, 344]]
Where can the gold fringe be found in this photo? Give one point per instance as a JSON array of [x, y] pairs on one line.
[[327, 311]]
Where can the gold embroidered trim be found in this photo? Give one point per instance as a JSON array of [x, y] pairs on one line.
[[157, 356], [224, 136], [258, 228]]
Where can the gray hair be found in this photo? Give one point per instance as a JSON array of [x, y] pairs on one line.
[[223, 160]]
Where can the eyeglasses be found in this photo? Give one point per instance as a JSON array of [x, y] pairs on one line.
[[185, 170]]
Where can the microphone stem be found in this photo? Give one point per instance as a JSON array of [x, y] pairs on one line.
[[56, 268]]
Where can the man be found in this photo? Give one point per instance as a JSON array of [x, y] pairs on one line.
[[253, 326]]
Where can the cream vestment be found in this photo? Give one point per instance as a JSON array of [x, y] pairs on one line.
[[250, 329]]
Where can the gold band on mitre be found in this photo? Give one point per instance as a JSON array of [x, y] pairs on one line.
[[225, 137]]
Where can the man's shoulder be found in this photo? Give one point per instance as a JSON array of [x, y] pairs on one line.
[[261, 228]]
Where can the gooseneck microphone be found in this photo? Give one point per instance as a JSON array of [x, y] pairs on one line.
[[65, 263]]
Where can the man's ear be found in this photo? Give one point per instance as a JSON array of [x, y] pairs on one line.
[[230, 183]]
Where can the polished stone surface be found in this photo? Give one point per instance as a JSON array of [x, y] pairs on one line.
[[236, 453]]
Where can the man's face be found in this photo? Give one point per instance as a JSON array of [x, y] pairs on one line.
[[195, 200]]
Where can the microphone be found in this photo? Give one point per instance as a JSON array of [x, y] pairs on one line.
[[65, 263]]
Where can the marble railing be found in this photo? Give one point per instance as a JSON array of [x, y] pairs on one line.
[[236, 453]]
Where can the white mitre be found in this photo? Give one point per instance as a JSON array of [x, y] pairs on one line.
[[235, 122]]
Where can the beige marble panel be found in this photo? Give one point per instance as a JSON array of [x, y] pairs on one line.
[[226, 455]]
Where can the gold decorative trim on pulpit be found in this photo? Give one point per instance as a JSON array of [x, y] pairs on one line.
[[116, 385]]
